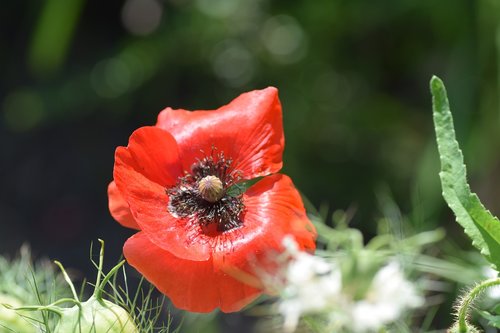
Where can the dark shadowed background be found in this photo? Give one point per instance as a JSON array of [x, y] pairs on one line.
[[77, 77]]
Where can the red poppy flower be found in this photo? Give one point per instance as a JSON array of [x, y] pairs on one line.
[[177, 182]]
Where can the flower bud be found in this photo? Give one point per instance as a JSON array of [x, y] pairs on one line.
[[96, 316]]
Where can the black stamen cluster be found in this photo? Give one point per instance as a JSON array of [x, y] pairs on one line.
[[186, 200], [214, 165]]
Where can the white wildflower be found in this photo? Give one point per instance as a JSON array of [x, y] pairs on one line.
[[312, 285], [388, 296]]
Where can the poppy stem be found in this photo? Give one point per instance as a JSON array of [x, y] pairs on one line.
[[467, 299]]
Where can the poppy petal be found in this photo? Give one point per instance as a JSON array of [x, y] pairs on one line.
[[248, 130], [119, 208], [148, 202], [273, 209], [191, 285], [155, 153]]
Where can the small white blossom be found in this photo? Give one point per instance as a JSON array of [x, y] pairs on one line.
[[312, 285], [388, 296]]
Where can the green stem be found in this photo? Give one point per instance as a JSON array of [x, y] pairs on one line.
[[98, 291], [469, 298], [68, 280], [100, 267]]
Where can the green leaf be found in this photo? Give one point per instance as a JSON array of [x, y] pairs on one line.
[[478, 223], [240, 188], [492, 319]]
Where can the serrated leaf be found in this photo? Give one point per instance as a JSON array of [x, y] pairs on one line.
[[479, 224]]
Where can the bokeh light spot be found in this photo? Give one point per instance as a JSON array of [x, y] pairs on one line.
[[111, 78], [284, 38], [218, 8], [233, 63], [23, 110], [141, 17]]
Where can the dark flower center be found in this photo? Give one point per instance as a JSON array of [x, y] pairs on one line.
[[203, 197]]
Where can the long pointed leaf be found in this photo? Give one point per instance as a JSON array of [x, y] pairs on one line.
[[478, 223]]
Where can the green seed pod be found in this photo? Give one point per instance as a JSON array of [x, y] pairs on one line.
[[95, 316], [11, 320]]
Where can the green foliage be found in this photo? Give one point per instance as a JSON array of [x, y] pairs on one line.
[[478, 223], [112, 307], [95, 315], [493, 320], [10, 320], [22, 282]]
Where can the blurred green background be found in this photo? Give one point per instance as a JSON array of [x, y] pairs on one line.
[[77, 77]]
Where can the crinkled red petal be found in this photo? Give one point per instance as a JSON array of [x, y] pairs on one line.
[[273, 209], [248, 130], [119, 208], [156, 154], [191, 285], [145, 193]]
